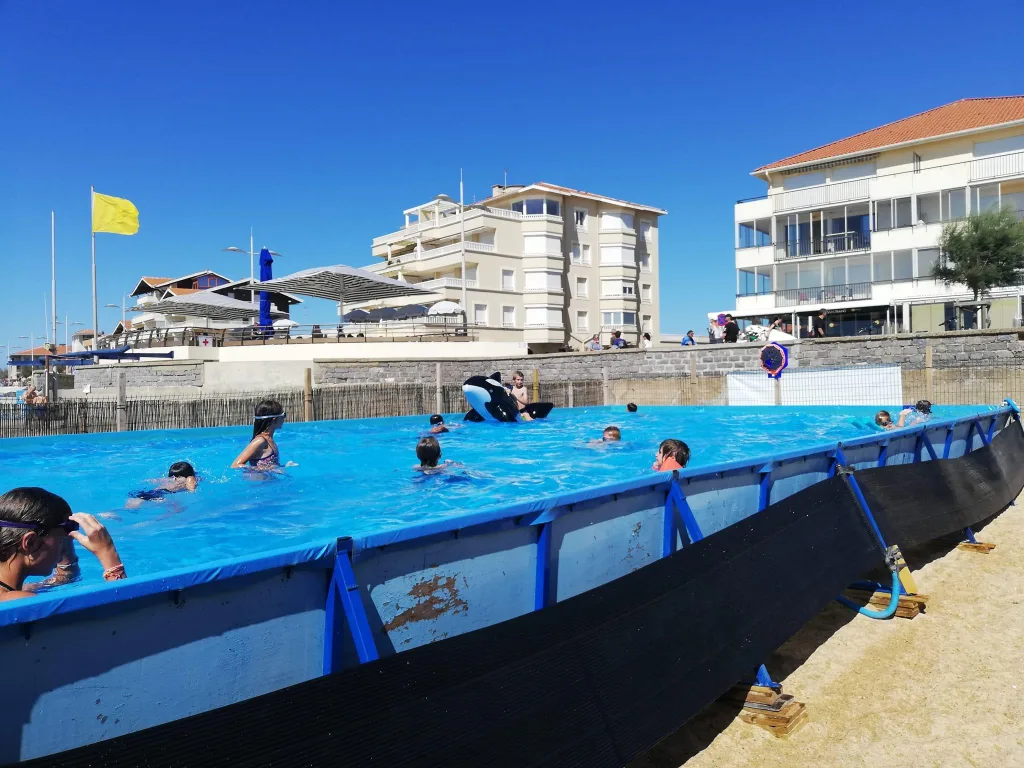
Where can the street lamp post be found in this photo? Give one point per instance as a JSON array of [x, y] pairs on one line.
[[252, 263]]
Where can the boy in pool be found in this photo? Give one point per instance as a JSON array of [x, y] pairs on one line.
[[520, 395], [181, 478], [631, 407], [672, 454], [610, 435], [437, 424], [428, 451], [921, 412]]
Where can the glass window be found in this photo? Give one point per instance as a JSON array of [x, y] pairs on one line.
[[764, 280], [902, 265], [747, 282], [646, 322], [554, 208], [508, 280], [645, 293], [986, 198], [858, 269], [586, 254], [628, 289], [810, 275], [534, 207], [608, 318], [928, 208], [645, 261], [518, 206], [480, 314], [629, 318], [903, 212], [835, 274], [927, 258], [883, 215], [575, 254], [645, 230], [883, 267], [582, 321], [746, 234], [508, 317], [581, 217], [627, 220], [763, 232], [581, 287], [954, 204]]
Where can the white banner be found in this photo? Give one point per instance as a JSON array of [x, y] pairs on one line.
[[853, 385]]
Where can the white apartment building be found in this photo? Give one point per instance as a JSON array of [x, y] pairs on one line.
[[853, 226], [545, 264]]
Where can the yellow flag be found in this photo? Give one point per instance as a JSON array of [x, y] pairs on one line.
[[114, 214]]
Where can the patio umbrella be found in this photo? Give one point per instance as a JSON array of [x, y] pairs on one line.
[[285, 322], [357, 316], [383, 313], [412, 311], [266, 273], [445, 308]]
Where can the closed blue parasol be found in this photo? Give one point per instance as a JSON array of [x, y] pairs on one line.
[[266, 273]]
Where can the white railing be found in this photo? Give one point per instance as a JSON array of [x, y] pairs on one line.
[[445, 250], [504, 213], [823, 194], [444, 282], [997, 166], [542, 217]]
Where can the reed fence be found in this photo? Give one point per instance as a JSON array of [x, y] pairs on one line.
[[966, 384]]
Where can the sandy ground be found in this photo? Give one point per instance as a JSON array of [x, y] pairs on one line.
[[942, 689]]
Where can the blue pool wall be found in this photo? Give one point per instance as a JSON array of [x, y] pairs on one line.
[[94, 662]]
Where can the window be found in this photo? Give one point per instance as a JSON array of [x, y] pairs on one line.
[[508, 279], [754, 281], [629, 318], [645, 261], [928, 208], [646, 322], [581, 287], [611, 288], [883, 267], [518, 206], [575, 254], [764, 279], [580, 214], [553, 208], [746, 282], [954, 204], [902, 265], [480, 314], [534, 207], [508, 317], [645, 293], [891, 214], [207, 281], [927, 258], [628, 289], [618, 318], [645, 230], [616, 221], [582, 321], [985, 198], [586, 254], [627, 220], [471, 277], [917, 163]]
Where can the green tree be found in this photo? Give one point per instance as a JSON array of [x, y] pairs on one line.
[[985, 250]]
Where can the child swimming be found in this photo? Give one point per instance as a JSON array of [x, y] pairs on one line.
[[181, 477], [631, 407], [261, 453], [610, 435], [672, 454], [437, 426]]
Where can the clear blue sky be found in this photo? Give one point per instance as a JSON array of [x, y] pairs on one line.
[[318, 122]]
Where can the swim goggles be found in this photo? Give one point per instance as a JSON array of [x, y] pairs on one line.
[[68, 526], [281, 415]]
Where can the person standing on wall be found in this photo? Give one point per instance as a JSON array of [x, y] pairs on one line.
[[819, 325], [732, 330]]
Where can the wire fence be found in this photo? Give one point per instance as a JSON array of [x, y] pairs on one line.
[[877, 385]]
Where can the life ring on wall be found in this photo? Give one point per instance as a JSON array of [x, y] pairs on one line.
[[774, 358]]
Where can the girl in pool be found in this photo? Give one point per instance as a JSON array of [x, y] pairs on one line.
[[34, 529], [672, 454], [261, 453]]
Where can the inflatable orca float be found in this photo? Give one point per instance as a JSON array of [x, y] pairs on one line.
[[490, 401]]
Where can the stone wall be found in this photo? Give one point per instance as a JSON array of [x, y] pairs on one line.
[[976, 348]]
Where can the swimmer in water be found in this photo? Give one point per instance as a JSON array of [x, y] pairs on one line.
[[519, 394], [672, 454], [261, 453], [437, 426], [181, 477], [631, 407], [610, 435], [428, 451]]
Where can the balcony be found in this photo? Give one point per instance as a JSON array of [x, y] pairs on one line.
[[411, 231], [825, 294], [822, 195], [997, 166], [445, 250], [444, 282], [829, 245]]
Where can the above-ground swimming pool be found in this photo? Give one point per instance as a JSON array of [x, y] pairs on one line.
[[355, 477]]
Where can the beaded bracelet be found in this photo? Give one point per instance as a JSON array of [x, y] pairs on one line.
[[114, 573]]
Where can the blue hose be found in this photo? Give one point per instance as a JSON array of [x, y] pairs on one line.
[[888, 613]]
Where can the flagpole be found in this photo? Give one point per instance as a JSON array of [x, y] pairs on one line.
[[462, 244], [252, 269], [53, 275], [95, 309]]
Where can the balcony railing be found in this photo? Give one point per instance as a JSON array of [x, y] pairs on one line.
[[997, 166], [445, 250], [416, 227], [843, 242], [444, 282], [822, 195], [825, 294]]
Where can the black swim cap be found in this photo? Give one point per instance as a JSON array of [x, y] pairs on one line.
[[631, 407], [181, 469], [437, 418]]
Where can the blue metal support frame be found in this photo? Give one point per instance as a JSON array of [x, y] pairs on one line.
[[675, 502], [985, 439], [969, 535], [883, 453], [860, 499], [543, 582], [344, 590], [764, 490], [922, 440], [948, 443]]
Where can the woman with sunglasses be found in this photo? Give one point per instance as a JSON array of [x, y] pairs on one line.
[[34, 528], [261, 453]]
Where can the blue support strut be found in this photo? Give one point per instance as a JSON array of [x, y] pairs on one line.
[[676, 503], [344, 590], [543, 577]]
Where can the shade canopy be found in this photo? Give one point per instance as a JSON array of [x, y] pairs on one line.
[[344, 284], [205, 304], [285, 322], [356, 316], [445, 308], [412, 311], [382, 313]]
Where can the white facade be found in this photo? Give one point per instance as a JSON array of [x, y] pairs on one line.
[[858, 235], [545, 265]]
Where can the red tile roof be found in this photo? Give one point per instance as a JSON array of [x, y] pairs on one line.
[[174, 291], [39, 352], [963, 115], [575, 192]]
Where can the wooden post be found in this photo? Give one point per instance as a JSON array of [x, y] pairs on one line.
[[607, 388], [536, 385], [778, 391], [693, 398], [307, 391], [437, 388], [122, 401], [929, 381]]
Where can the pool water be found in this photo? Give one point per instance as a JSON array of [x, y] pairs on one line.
[[355, 477]]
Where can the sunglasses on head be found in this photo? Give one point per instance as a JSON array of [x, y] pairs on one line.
[[68, 526]]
